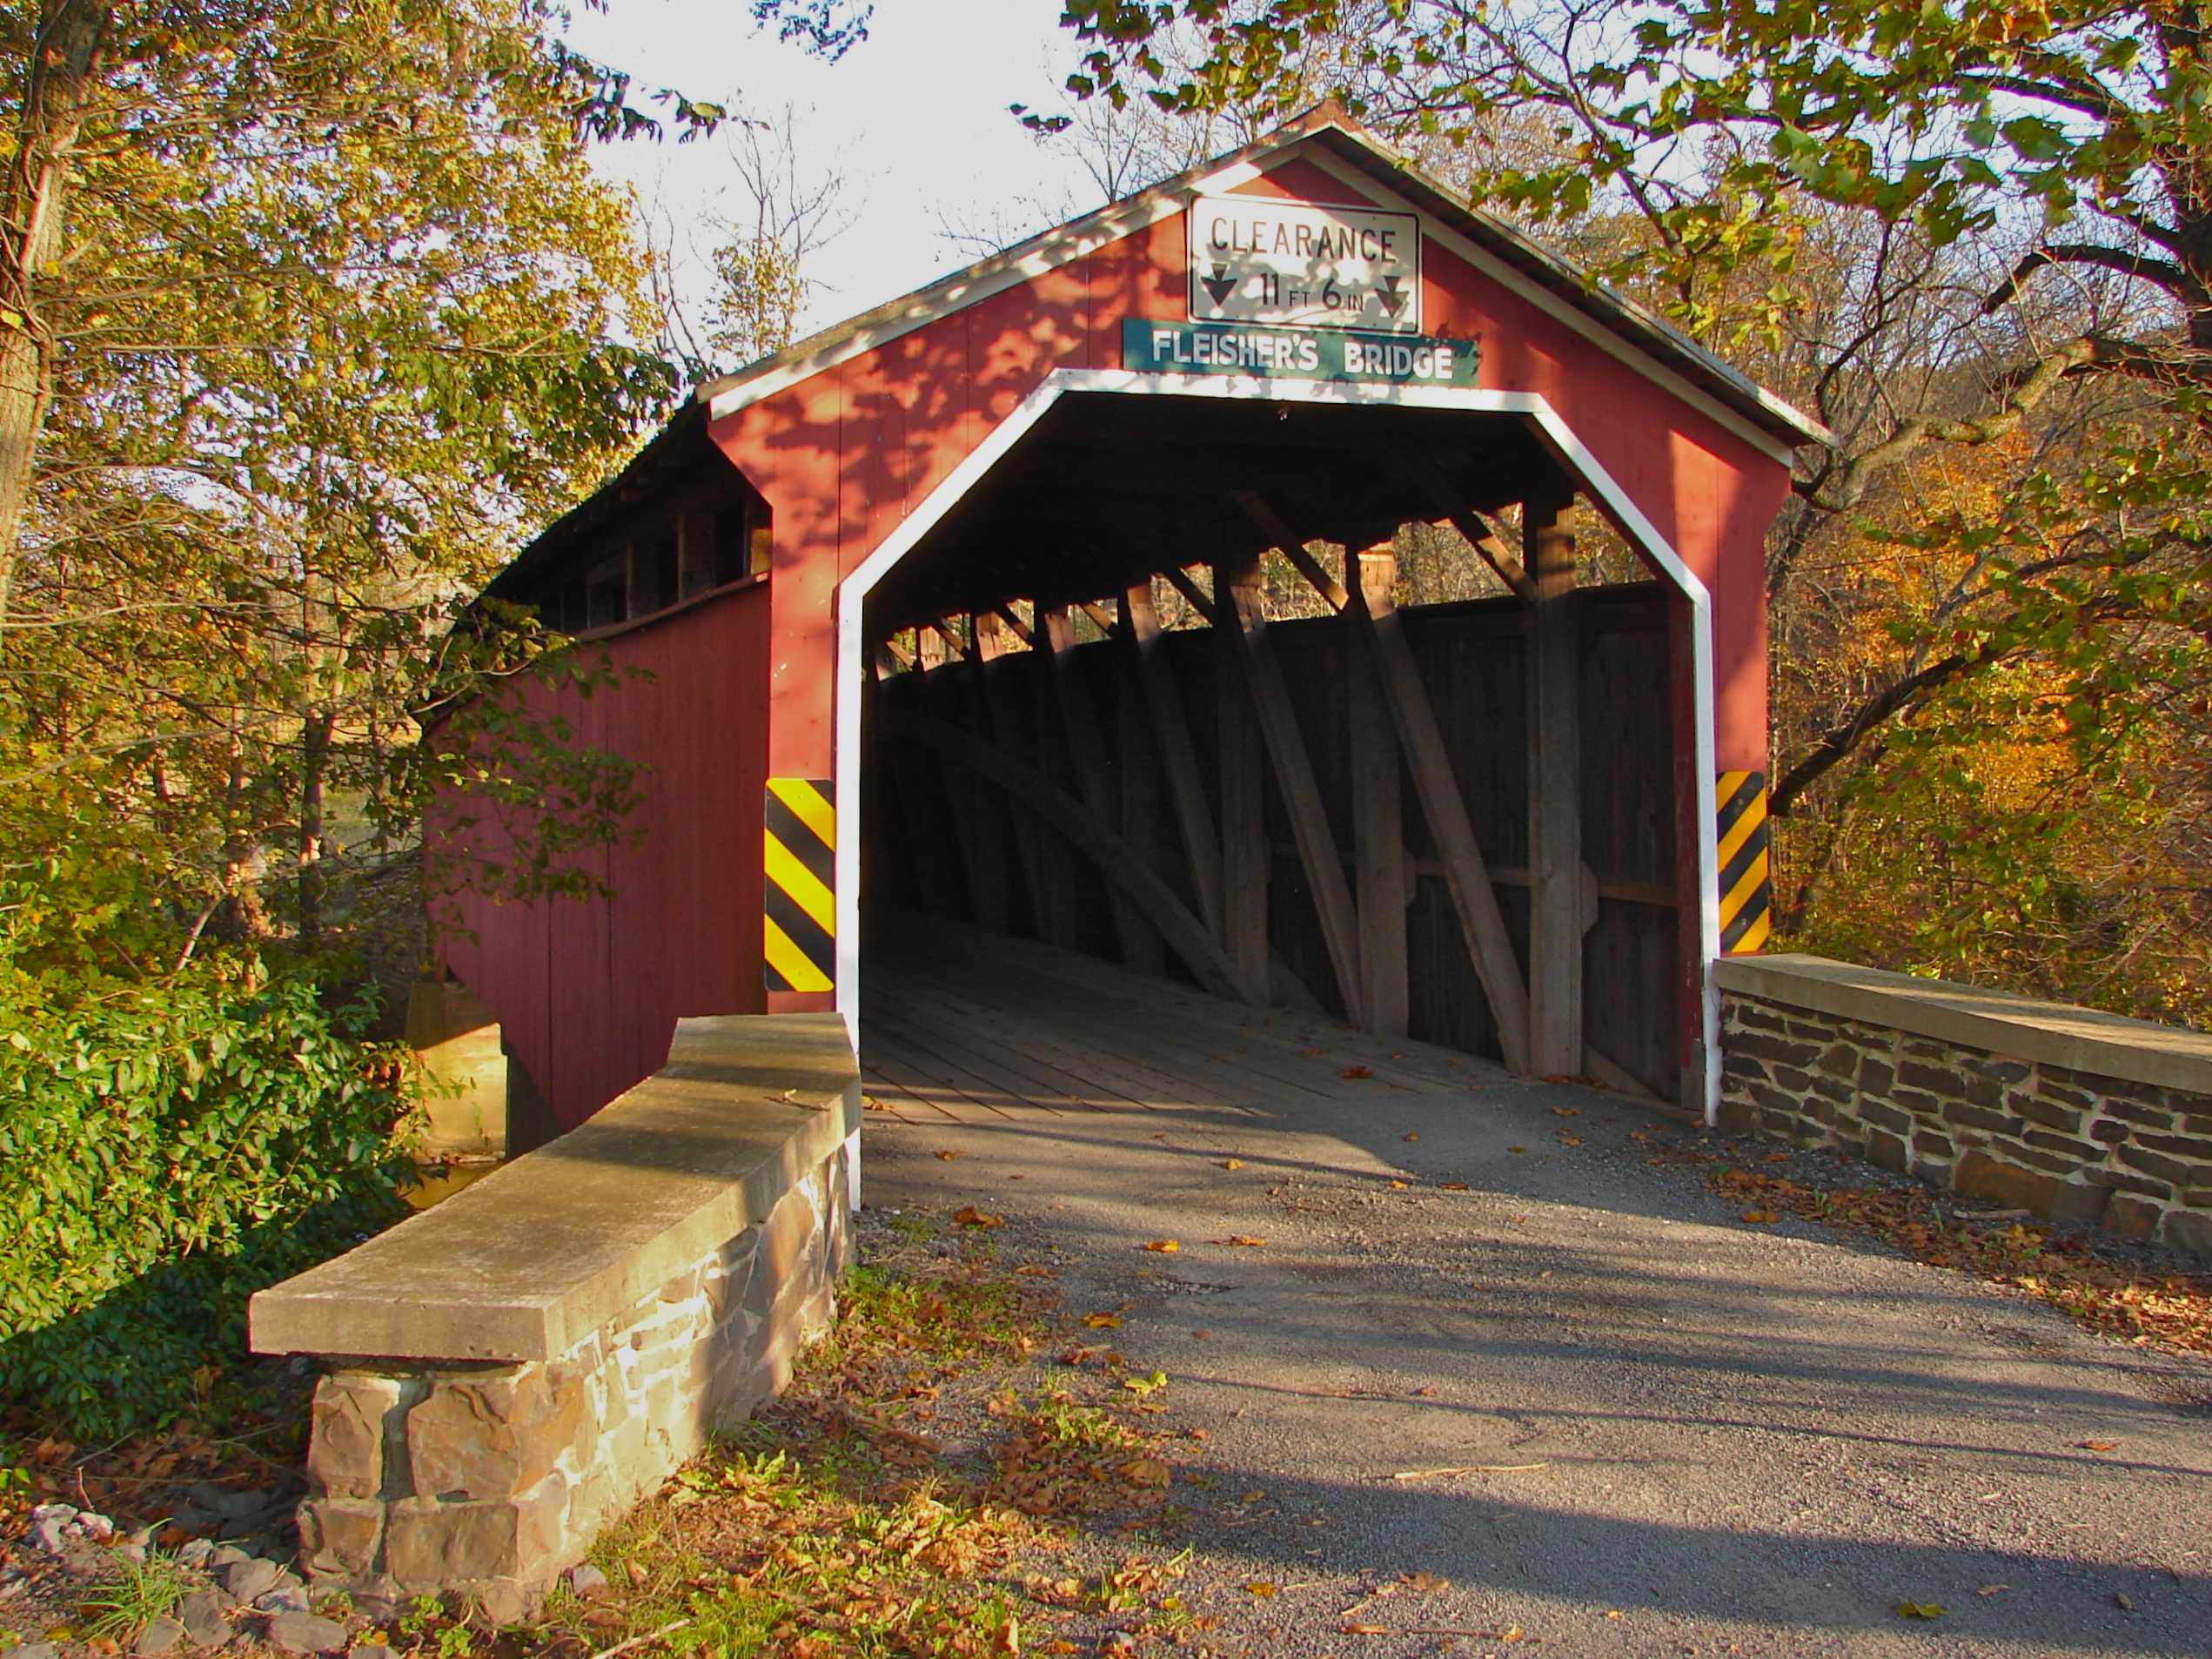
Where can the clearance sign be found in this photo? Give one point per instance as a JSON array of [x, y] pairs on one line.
[[1294, 265], [1303, 354]]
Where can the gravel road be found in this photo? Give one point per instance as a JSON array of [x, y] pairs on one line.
[[1699, 1436]]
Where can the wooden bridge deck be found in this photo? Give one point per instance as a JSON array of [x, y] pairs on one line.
[[961, 1025]]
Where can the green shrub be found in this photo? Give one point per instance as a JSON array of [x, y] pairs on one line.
[[168, 1147]]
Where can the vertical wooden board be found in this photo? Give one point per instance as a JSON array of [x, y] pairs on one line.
[[1002, 714], [994, 872], [1444, 1000], [578, 1068], [1629, 1006], [1474, 673], [1312, 651], [1139, 786], [1035, 716], [1241, 813], [1690, 826], [1628, 744], [1158, 709], [952, 820], [1555, 632], [1377, 791], [1631, 975], [635, 942], [1294, 932], [1139, 275]]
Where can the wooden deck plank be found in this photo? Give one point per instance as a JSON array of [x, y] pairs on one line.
[[1019, 1074], [1111, 1021], [981, 1083], [894, 1098], [1404, 1060], [1047, 1029], [1049, 1045], [889, 1061]]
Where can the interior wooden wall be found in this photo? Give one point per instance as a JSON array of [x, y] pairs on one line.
[[940, 839]]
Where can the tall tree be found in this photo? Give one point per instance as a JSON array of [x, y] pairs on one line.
[[1954, 231], [308, 308]]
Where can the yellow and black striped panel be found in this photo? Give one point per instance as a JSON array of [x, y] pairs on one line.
[[799, 902], [1747, 894]]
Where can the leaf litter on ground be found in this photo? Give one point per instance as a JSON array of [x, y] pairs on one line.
[[2079, 1273], [840, 1523]]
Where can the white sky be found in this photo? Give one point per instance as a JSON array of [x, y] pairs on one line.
[[918, 112]]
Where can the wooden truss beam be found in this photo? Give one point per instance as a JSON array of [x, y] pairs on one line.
[[1243, 616], [1113, 856], [1155, 674], [1555, 788]]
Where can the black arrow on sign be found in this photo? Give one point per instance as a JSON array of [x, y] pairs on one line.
[[1387, 296], [1221, 284]]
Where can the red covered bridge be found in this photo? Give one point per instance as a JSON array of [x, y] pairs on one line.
[[1073, 597]]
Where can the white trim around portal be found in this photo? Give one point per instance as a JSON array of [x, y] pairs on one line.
[[851, 594]]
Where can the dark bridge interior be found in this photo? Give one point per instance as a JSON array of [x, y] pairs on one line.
[[1161, 688]]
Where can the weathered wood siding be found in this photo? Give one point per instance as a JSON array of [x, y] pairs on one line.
[[933, 826]]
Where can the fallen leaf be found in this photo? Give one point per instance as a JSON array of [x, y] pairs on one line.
[[1413, 1137], [1420, 1580], [1145, 1471], [1366, 1629], [870, 1102], [1471, 1469], [1202, 1335], [1919, 1610], [1761, 1217], [948, 1153], [1993, 1589], [1165, 1246], [1777, 1158], [1399, 1186], [972, 1217], [1564, 1111], [1102, 1321], [1078, 1356], [1565, 1139], [1057, 1646], [1252, 1497], [2124, 1602], [1232, 1163], [1517, 1221], [1313, 1053], [1031, 1270], [1260, 1587], [1451, 1186], [2098, 1445], [1241, 1240], [1357, 1072]]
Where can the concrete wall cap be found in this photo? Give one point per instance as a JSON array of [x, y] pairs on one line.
[[2026, 1028], [525, 1263]]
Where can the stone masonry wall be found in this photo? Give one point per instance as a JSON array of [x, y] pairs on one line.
[[2067, 1145], [490, 1479]]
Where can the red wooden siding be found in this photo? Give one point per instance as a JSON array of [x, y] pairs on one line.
[[588, 994]]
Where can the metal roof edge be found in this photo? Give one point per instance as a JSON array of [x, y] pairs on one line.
[[1634, 322]]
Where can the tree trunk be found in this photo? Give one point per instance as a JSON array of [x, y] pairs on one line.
[[315, 748], [32, 216]]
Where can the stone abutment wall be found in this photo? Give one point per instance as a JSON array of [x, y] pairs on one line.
[[509, 1371], [2070, 1114]]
